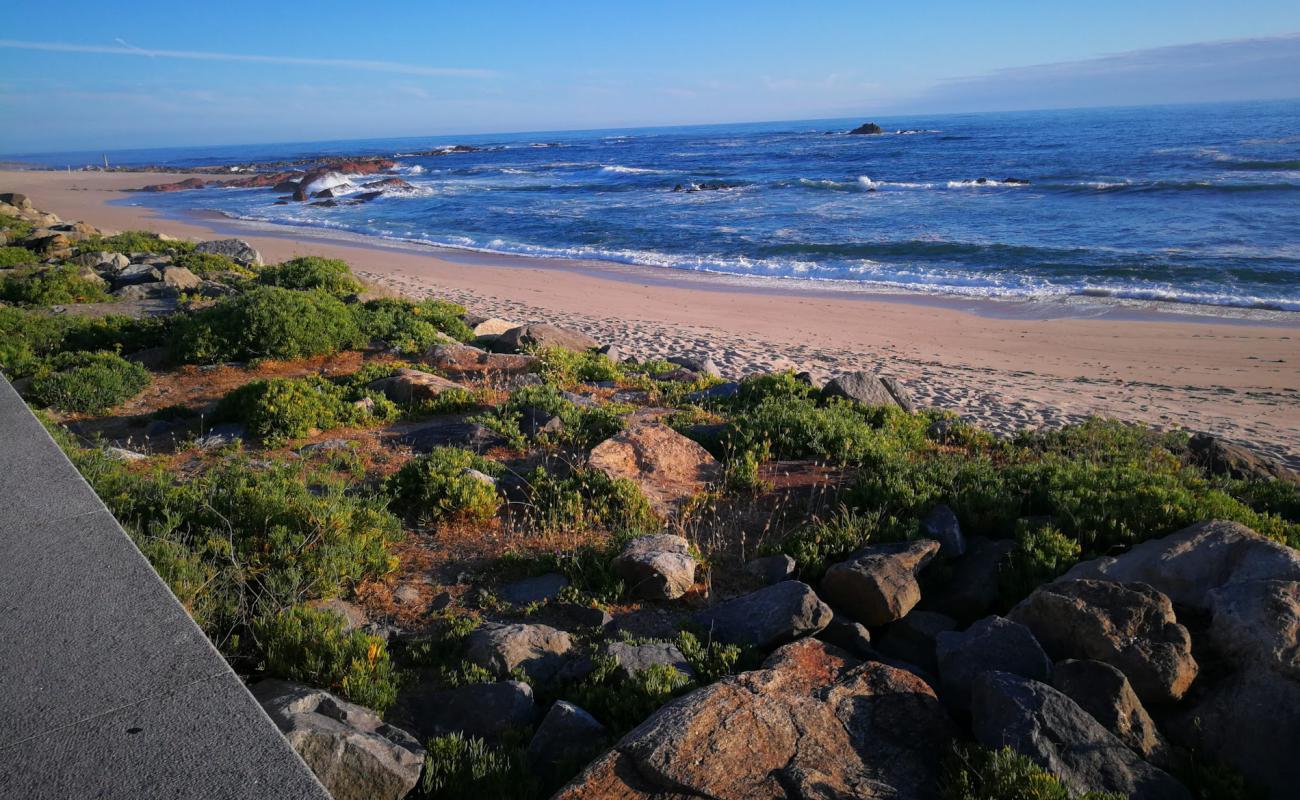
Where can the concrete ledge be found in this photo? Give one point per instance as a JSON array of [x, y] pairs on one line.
[[107, 687]]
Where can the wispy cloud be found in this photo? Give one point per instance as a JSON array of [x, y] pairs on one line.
[[125, 49]]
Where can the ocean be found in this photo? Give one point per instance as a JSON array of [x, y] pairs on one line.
[[1193, 205]]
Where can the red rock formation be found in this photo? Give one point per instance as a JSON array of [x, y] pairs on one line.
[[178, 186]]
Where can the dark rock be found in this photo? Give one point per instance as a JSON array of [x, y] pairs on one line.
[[972, 589], [772, 569], [178, 186], [869, 389], [533, 590], [913, 638], [633, 659], [848, 634], [221, 435], [453, 432], [719, 391], [488, 710], [567, 738], [1218, 457], [991, 644], [580, 616], [237, 250], [534, 422], [412, 385], [878, 585], [539, 650], [1256, 625], [867, 128], [656, 567], [702, 365], [941, 525], [768, 617], [1106, 694], [461, 359]]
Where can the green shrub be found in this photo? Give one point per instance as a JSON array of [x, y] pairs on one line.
[[87, 382], [15, 228], [209, 264], [712, 661], [44, 286], [267, 322], [588, 499], [28, 338], [279, 409], [794, 428], [581, 427], [16, 256], [773, 385], [820, 543], [1041, 554], [568, 368], [437, 486], [622, 704], [128, 242], [311, 647], [456, 767], [973, 773], [412, 328], [328, 275]]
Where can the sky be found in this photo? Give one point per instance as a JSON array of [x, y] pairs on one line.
[[107, 76]]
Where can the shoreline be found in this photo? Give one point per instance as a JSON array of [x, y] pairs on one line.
[[1006, 364]]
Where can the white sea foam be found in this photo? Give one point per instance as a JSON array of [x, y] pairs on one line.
[[622, 170]]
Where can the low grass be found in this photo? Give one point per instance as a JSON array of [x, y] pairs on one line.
[[86, 382]]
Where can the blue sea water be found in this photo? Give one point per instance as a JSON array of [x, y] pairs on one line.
[[1193, 204]]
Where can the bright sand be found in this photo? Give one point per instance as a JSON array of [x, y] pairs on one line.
[[1006, 365]]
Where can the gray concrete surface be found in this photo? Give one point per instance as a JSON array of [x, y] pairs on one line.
[[107, 687]]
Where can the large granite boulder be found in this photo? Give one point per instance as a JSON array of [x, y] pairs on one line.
[[486, 710], [656, 567], [567, 738], [1256, 625], [540, 651], [768, 617], [1039, 722], [869, 389], [237, 250], [354, 753], [412, 385], [1104, 692], [1188, 564], [459, 360], [992, 644], [541, 335], [812, 723], [1128, 625], [878, 584], [668, 467], [180, 279]]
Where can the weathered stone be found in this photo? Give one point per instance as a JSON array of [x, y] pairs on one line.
[[972, 590], [772, 569], [534, 422], [542, 335], [719, 391], [992, 644], [848, 634], [633, 659], [137, 273], [702, 365], [539, 650], [878, 585], [1256, 625], [226, 433], [488, 710], [1188, 564], [412, 385], [567, 738], [463, 360], [1218, 457], [812, 723], [941, 525], [1039, 722], [1128, 625], [237, 250], [180, 279], [537, 589], [1104, 692], [452, 431], [354, 753], [122, 454], [768, 617], [869, 389], [914, 638], [657, 567], [492, 327], [668, 467]]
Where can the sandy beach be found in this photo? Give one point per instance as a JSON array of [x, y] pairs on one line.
[[1005, 365]]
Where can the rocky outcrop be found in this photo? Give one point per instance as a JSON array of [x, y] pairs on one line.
[[1188, 564], [1218, 457], [177, 186], [813, 722], [941, 524], [412, 386], [540, 651], [657, 567], [992, 644], [1128, 625], [354, 753], [180, 279], [1039, 722], [1106, 694], [567, 738], [459, 360], [237, 250], [867, 129], [972, 586], [869, 389], [668, 467], [1256, 625], [540, 335], [701, 365], [768, 617], [452, 431], [878, 585], [772, 569], [914, 638]]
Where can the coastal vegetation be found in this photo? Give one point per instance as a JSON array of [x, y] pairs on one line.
[[362, 495]]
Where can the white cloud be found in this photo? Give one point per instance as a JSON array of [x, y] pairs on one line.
[[125, 49]]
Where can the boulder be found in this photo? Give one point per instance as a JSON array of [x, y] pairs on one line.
[[702, 365], [49, 244], [487, 710], [452, 431], [540, 335], [633, 659], [1037, 721], [1218, 457], [941, 525], [849, 635], [567, 738], [720, 391], [768, 617], [914, 638], [237, 250], [462, 359], [177, 186], [656, 567], [972, 589], [772, 569], [878, 585], [354, 753], [867, 129], [180, 279], [813, 722], [412, 386], [492, 327], [1188, 564], [537, 589], [668, 467], [137, 273], [1128, 625], [1104, 692], [539, 650], [534, 422], [16, 199], [1256, 625], [992, 644], [868, 389]]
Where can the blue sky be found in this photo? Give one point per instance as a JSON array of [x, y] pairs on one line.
[[99, 75]]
